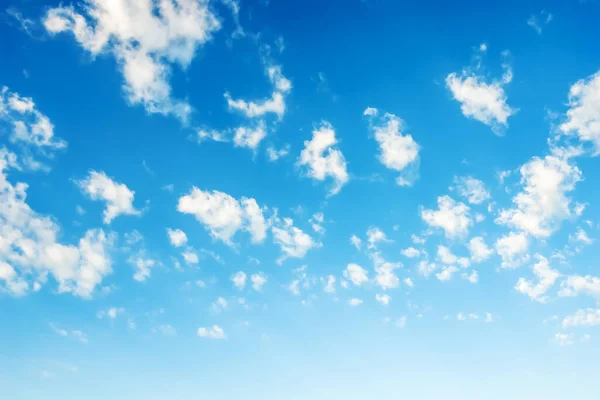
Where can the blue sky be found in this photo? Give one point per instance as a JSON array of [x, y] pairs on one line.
[[327, 200]]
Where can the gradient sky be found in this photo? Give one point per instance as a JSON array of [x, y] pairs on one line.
[[299, 200]]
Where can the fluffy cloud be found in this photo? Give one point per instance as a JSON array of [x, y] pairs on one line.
[[239, 279], [512, 248], [410, 252], [473, 189], [479, 250], [293, 242], [384, 299], [446, 257], [374, 236], [118, 197], [446, 273], [330, 284], [563, 339], [589, 317], [575, 284], [452, 216], [583, 116], [322, 159], [425, 268], [258, 281], [355, 241], [543, 203], [29, 250], [473, 277], [142, 265], [397, 152], [222, 215], [110, 313], [190, 257], [385, 277], [250, 136], [354, 302], [30, 129], [213, 332], [356, 274], [484, 101], [177, 237], [546, 277], [145, 37]]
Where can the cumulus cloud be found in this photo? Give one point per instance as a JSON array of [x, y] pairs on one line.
[[451, 216], [472, 189], [563, 339], [575, 284], [223, 215], [258, 281], [583, 116], [446, 273], [146, 38], [410, 252], [543, 203], [190, 257], [546, 277], [481, 99], [397, 151], [250, 136], [213, 332], [30, 252], [293, 242], [384, 272], [479, 249], [588, 317], [355, 241], [30, 129], [384, 299], [354, 302], [118, 197], [374, 236], [239, 279], [445, 256], [143, 266], [322, 159], [177, 237], [356, 274], [512, 248]]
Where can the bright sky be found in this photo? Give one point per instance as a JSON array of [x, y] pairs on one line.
[[236, 199]]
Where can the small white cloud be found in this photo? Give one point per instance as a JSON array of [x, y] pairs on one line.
[[575, 285], [384, 299], [537, 22], [275, 154], [330, 285], [374, 236], [110, 313], [323, 159], [473, 277], [472, 189], [446, 273], [177, 237], [354, 302], [239, 279], [258, 281], [117, 196], [563, 339], [410, 252], [397, 151], [451, 216], [143, 266], [356, 274], [479, 249], [213, 332], [293, 242], [250, 136], [190, 257], [512, 248], [589, 317], [166, 330], [356, 242], [546, 278], [445, 256]]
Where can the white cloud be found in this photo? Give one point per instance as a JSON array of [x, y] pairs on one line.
[[563, 339], [461, 317], [546, 277], [293, 242], [425, 268], [330, 285], [213, 332], [219, 305], [118, 197], [29, 250], [401, 322], [583, 116], [258, 281], [483, 101], [166, 330], [111, 313], [473, 189], [190, 257], [542, 204], [473, 277], [479, 249], [275, 154], [512, 248], [142, 266], [417, 239], [146, 38], [323, 159], [316, 222], [408, 282], [76, 334], [274, 105], [589, 317], [374, 236], [446, 273], [538, 23], [384, 299], [177, 237], [452, 216], [446, 257], [356, 274], [410, 252], [30, 128], [239, 279], [222, 215], [294, 287], [398, 152], [489, 318], [581, 237], [355, 241], [575, 285], [354, 302], [384, 270], [250, 136]]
